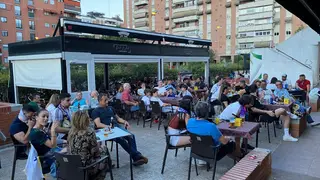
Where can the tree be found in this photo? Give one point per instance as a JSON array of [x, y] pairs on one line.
[[95, 14]]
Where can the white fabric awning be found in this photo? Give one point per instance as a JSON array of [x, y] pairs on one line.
[[44, 74]]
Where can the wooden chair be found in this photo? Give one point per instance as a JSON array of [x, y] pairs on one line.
[[69, 167], [203, 148], [169, 146]]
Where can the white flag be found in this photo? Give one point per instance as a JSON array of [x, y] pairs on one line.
[[33, 167]]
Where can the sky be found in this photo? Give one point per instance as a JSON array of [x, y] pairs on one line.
[[109, 7]]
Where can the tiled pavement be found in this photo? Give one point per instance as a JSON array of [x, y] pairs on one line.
[[290, 161]]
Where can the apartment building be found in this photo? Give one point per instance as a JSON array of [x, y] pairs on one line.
[[234, 26], [100, 20], [264, 23], [22, 20]]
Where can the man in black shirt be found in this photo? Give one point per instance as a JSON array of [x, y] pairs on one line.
[[104, 115], [270, 116]]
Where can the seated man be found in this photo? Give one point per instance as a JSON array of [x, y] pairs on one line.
[[286, 82], [35, 101], [78, 101], [127, 99], [162, 89], [146, 99], [184, 91], [201, 126], [165, 106], [280, 92], [103, 117], [264, 93], [266, 115], [20, 129], [62, 115]]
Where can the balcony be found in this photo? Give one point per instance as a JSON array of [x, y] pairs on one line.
[[140, 15], [141, 24], [185, 11], [72, 9], [178, 1], [145, 28], [199, 2], [255, 28], [141, 20], [255, 39], [193, 33], [262, 44], [228, 4], [185, 29], [188, 18], [142, 10], [140, 2], [256, 16]]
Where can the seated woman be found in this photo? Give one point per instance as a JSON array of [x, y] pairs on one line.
[[178, 125], [165, 106], [45, 144], [119, 91], [201, 126], [272, 86], [82, 141], [78, 101], [142, 89]]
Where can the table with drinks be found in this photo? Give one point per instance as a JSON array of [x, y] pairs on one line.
[[108, 134], [171, 100], [283, 103], [238, 128]]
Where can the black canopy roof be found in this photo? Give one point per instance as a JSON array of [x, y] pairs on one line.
[[307, 10], [84, 27]]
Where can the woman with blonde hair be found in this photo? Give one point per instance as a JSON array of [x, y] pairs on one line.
[[54, 101], [82, 141]]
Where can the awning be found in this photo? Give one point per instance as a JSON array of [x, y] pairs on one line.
[[307, 10]]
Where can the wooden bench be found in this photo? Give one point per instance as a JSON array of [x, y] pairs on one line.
[[298, 126], [251, 169], [315, 105]]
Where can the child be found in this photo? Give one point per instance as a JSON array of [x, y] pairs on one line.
[[171, 93]]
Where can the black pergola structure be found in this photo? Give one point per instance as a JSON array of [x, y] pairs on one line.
[[45, 63], [307, 10]]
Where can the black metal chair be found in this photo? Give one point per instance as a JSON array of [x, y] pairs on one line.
[[265, 120], [3, 138], [16, 145], [118, 106], [143, 111], [169, 146], [69, 167], [203, 148], [156, 113]]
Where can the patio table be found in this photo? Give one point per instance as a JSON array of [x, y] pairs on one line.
[[117, 133], [245, 131], [287, 107]]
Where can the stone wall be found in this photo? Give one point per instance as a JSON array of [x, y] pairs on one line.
[[7, 114]]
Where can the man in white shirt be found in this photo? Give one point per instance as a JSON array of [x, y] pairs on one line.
[[165, 106], [215, 90], [161, 88], [286, 82], [233, 110], [146, 99]]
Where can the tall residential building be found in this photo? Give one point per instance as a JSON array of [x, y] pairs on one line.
[[234, 26], [31, 19], [101, 20]]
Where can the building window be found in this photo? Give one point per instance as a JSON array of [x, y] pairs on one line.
[[54, 26], [17, 1], [4, 33], [31, 13], [31, 25], [288, 32], [3, 19], [19, 36], [46, 13], [18, 23], [30, 2], [32, 36], [47, 35], [17, 10], [6, 60], [46, 1], [276, 34], [52, 2], [2, 6], [5, 47], [47, 25]]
